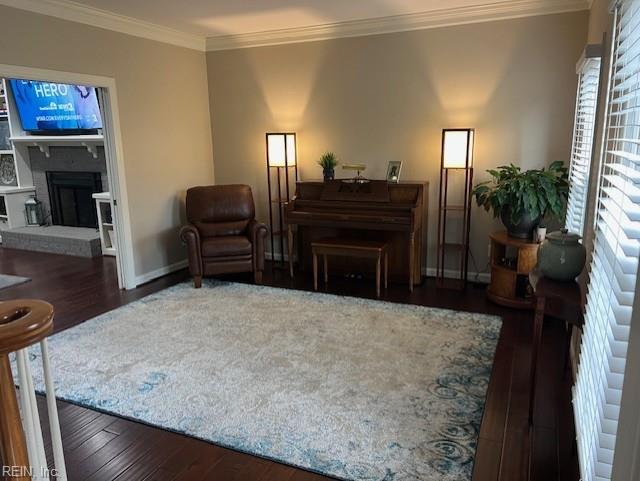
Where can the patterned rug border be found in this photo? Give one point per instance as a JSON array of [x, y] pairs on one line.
[[212, 283], [189, 435]]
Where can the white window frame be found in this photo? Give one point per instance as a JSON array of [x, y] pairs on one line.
[[611, 296], [589, 70]]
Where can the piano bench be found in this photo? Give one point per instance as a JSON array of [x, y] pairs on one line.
[[350, 248]]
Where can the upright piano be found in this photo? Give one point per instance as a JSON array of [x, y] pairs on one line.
[[391, 212]]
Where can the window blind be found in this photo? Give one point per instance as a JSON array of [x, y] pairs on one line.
[[582, 145], [603, 353]]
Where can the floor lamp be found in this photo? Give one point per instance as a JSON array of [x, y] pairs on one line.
[[457, 156], [281, 159]]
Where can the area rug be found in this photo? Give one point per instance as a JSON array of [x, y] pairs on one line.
[[351, 388], [9, 281]]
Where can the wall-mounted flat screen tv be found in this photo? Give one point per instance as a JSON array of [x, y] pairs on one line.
[[46, 107]]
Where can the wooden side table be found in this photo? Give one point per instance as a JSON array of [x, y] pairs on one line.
[[561, 301], [512, 260]]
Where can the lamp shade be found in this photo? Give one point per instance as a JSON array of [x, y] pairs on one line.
[[281, 149], [457, 148]]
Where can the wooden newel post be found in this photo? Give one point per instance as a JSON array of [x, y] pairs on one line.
[[13, 445], [22, 323]]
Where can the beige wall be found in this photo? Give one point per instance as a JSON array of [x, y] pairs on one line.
[[599, 20], [387, 97], [164, 115]]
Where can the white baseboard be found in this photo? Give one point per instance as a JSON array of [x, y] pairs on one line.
[[454, 274], [162, 271]]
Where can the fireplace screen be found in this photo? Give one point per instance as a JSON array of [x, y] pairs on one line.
[[70, 197]]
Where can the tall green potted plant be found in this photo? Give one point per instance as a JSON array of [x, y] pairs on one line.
[[328, 162], [522, 198]]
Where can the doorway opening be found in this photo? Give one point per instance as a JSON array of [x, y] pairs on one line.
[[61, 172]]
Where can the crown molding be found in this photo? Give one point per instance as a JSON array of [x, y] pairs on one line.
[[397, 23], [75, 12]]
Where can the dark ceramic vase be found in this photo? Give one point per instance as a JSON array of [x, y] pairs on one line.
[[524, 228], [329, 174], [561, 256]]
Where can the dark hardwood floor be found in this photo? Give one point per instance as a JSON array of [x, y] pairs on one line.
[[79, 288], [99, 446]]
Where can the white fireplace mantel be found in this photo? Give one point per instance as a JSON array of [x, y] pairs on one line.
[[43, 142]]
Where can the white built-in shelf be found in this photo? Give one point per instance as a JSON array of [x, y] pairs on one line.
[[107, 239], [102, 196], [6, 152], [12, 189], [43, 142]]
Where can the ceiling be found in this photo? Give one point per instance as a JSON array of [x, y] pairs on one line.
[[223, 17], [189, 21]]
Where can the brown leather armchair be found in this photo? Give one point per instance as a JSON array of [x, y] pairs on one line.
[[222, 235]]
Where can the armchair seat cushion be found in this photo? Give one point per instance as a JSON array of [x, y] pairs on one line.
[[232, 245]]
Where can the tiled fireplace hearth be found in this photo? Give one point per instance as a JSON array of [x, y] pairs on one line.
[[73, 241]]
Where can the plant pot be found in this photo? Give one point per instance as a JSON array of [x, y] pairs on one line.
[[329, 174], [561, 257], [524, 228]]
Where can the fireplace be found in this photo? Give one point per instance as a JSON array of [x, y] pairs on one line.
[[70, 197]]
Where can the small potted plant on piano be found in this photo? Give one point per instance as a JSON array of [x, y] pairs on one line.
[[328, 162]]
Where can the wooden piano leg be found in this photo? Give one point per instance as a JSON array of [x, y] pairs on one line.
[[290, 248], [411, 260], [326, 270], [378, 276], [315, 271], [386, 269]]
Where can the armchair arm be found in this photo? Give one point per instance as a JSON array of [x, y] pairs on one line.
[[257, 232], [189, 235]]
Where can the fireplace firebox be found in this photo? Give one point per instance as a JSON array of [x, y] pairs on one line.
[[70, 197]]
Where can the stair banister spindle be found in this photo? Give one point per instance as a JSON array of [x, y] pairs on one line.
[[22, 324]]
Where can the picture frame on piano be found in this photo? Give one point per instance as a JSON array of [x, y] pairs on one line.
[[393, 171]]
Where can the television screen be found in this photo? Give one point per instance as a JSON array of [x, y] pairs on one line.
[[47, 106]]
